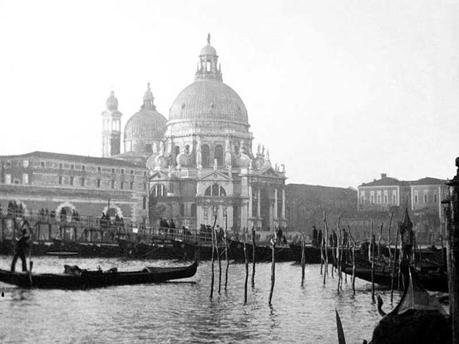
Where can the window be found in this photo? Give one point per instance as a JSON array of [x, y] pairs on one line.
[[394, 197], [71, 180], [144, 186], [415, 197], [25, 163], [159, 190], [435, 198], [193, 209], [215, 190], [372, 197], [82, 181], [362, 197], [218, 154], [113, 170], [131, 185], [144, 203], [72, 166], [42, 164], [132, 171], [425, 197], [98, 169], [25, 178], [121, 185], [83, 167], [98, 183], [113, 184], [182, 209], [7, 178], [60, 166], [171, 188], [205, 156], [60, 180], [122, 171]]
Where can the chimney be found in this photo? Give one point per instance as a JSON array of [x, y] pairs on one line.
[[383, 175]]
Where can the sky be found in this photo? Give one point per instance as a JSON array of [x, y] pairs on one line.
[[339, 91]]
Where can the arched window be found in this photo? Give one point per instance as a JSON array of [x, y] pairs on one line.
[[205, 156], [218, 154], [159, 190], [215, 190]]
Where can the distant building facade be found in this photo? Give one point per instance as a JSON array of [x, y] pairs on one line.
[[385, 193], [307, 204], [422, 197], [87, 185]]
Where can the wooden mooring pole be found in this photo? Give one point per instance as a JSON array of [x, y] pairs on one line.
[[226, 251], [326, 247], [212, 260], [394, 261], [372, 248], [246, 266], [273, 268], [253, 256], [303, 259], [453, 255]]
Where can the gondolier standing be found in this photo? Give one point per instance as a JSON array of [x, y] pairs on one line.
[[22, 248], [407, 236]]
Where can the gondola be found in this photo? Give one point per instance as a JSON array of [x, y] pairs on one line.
[[434, 280], [76, 278]]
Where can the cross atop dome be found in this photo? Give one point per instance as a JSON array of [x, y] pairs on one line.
[[208, 67]]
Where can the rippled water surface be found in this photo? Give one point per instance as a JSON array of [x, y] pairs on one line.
[[181, 311]]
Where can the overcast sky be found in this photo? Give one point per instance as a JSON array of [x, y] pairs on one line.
[[339, 91]]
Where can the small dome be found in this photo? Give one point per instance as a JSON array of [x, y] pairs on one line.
[[208, 50], [208, 99], [146, 125]]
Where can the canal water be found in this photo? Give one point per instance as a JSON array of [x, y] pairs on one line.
[[181, 312]]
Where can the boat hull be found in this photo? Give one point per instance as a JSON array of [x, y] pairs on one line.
[[96, 279]]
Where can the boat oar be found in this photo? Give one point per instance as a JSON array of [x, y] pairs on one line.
[[339, 327], [30, 272]]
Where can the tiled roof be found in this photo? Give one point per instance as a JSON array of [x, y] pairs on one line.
[[386, 181], [428, 181], [75, 158]]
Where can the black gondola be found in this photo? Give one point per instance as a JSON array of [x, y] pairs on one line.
[[84, 279]]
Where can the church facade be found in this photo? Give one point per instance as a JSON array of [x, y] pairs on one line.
[[199, 165]]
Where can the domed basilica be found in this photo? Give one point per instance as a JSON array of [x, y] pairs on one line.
[[200, 163]]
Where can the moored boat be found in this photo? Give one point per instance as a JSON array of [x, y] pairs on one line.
[[84, 279]]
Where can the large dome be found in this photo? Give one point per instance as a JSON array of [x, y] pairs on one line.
[[208, 99]]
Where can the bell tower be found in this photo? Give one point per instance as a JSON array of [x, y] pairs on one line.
[[111, 127]]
